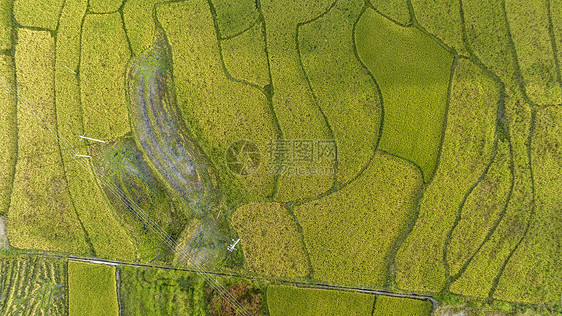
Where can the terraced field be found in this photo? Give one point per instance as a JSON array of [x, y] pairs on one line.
[[91, 289], [270, 240], [285, 300], [412, 86], [445, 175]]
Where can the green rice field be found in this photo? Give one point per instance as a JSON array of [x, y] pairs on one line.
[[296, 157]]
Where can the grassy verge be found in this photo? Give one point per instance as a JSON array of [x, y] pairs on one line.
[[104, 54], [245, 58], [38, 13], [91, 289], [8, 132], [343, 89], [32, 285], [217, 111], [529, 31], [394, 306], [350, 233], [270, 240], [467, 148], [285, 300], [413, 73], [157, 292]]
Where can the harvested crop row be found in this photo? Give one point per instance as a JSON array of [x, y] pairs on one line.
[[345, 92], [104, 54], [123, 170], [244, 56], [270, 240], [161, 134], [466, 151], [350, 233], [413, 73], [528, 23], [91, 289], [217, 111], [8, 134], [296, 110], [32, 286]]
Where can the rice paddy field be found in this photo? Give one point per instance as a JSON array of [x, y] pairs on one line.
[[91, 289], [405, 146]]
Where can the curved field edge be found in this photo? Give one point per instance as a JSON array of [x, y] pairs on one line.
[[415, 89], [440, 202], [336, 225]]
